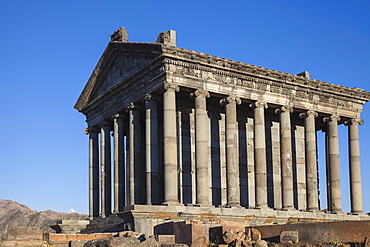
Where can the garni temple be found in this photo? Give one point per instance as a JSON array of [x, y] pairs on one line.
[[178, 135]]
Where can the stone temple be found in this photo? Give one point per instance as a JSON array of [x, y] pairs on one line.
[[177, 135]]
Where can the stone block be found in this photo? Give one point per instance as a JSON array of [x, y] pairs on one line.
[[166, 239], [77, 243], [24, 233], [113, 242], [70, 226], [260, 243], [367, 242], [289, 237], [255, 234], [151, 242], [24, 243], [200, 242]]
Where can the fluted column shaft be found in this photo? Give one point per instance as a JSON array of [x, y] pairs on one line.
[[312, 196], [135, 184], [260, 153], [334, 164], [232, 160], [106, 190], [286, 156], [170, 144], [354, 166], [119, 178], [151, 149], [93, 172], [201, 147]]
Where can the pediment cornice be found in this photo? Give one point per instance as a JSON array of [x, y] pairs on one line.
[[104, 65]]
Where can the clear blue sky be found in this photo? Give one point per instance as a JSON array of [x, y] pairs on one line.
[[49, 48]]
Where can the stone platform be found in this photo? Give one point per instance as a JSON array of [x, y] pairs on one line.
[[144, 218]]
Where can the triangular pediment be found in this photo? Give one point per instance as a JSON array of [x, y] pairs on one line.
[[118, 62]]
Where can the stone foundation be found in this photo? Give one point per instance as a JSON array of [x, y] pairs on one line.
[[144, 218]]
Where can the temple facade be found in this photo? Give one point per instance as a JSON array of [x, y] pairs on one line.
[[176, 134]]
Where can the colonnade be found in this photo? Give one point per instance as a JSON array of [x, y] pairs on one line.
[[135, 183]]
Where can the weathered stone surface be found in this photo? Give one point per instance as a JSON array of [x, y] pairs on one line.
[[113, 242], [151, 242], [70, 226], [77, 243], [260, 243], [24, 243], [24, 233], [229, 236], [367, 242], [289, 237], [131, 234], [200, 242], [325, 232], [166, 239], [255, 234]]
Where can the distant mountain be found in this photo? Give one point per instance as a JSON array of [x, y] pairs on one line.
[[14, 214]]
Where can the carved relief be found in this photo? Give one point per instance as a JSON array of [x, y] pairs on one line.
[[121, 67]]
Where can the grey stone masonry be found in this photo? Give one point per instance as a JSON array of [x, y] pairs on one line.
[[106, 202], [200, 134], [311, 160], [260, 154], [119, 178], [93, 172], [354, 165]]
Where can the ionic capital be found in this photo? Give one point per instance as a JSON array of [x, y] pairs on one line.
[[90, 130], [230, 99], [333, 117], [200, 92], [118, 116], [171, 87], [259, 104], [308, 114], [148, 97], [354, 121], [284, 108]]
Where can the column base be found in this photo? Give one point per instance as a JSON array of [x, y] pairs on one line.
[[203, 205], [264, 207], [172, 204], [313, 210], [356, 213], [288, 208], [336, 212], [233, 205]]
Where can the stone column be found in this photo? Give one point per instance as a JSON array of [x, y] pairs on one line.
[[201, 147], [170, 144], [151, 149], [311, 160], [119, 178], [260, 153], [106, 190], [232, 160], [334, 164], [354, 165], [286, 156], [134, 154], [93, 171]]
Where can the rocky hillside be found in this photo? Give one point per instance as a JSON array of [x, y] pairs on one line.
[[13, 214]]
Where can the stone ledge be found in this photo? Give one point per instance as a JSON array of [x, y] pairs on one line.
[[257, 216]]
